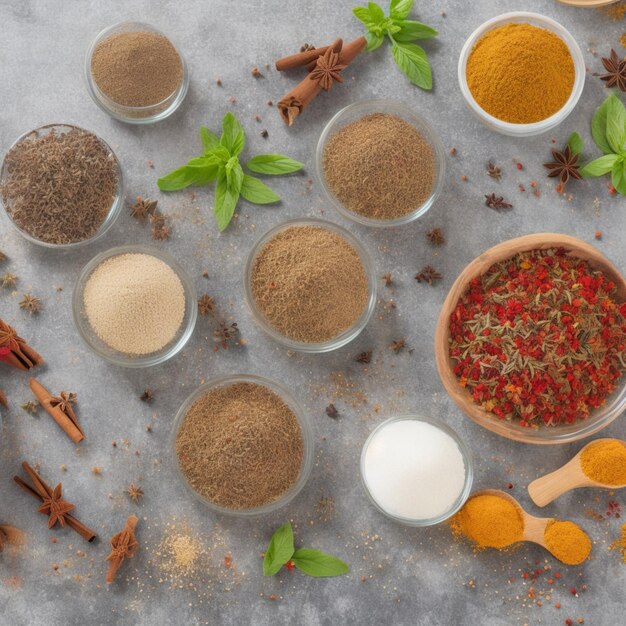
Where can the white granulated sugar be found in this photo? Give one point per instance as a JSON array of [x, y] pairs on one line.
[[413, 469]]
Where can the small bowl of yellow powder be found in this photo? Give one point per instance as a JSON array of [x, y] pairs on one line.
[[134, 306], [135, 73], [521, 73], [310, 285]]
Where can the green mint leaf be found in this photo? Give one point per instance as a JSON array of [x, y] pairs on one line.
[[599, 122], [279, 550], [373, 41], [225, 203], [273, 164], [363, 15], [600, 166], [316, 563], [233, 137], [208, 139], [376, 12], [618, 175], [412, 60], [616, 126], [399, 9], [575, 143], [257, 192], [234, 175], [410, 30], [186, 176]]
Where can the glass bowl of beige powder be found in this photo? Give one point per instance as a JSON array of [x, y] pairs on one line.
[[134, 306], [242, 445], [310, 285], [380, 163], [135, 73]]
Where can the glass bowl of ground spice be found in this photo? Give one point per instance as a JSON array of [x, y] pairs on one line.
[[310, 285], [134, 306], [61, 186], [380, 163], [531, 340], [135, 73], [242, 445], [521, 73]]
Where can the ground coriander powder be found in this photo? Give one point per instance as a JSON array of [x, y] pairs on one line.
[[380, 166], [240, 446], [309, 283]]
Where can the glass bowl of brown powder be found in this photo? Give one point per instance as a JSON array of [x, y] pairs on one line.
[[380, 163], [242, 445], [310, 285], [135, 73], [61, 186], [134, 306]]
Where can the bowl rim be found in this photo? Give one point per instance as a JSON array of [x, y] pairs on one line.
[[466, 453], [533, 128], [115, 109], [405, 112], [114, 210], [600, 418], [347, 335], [118, 358], [308, 437]]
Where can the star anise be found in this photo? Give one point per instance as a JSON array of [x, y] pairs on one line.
[[331, 411], [56, 507], [616, 71], [493, 171], [8, 336], [435, 236], [306, 47], [398, 345], [364, 357], [30, 303], [3, 257], [8, 280], [327, 70], [429, 275], [124, 545], [143, 208], [565, 165], [147, 396], [497, 202], [206, 304], [224, 333], [30, 407], [387, 279], [134, 492], [64, 400]]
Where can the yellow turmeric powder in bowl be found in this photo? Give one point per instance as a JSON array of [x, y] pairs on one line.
[[489, 522], [605, 462], [567, 541], [520, 73]]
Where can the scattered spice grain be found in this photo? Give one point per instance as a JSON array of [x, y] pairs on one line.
[[240, 446], [309, 283], [620, 543], [392, 155], [147, 396], [331, 411]]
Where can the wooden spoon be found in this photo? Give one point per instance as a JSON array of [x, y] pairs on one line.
[[570, 476], [588, 3], [534, 527]]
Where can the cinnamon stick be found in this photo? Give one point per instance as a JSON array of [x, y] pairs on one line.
[[124, 546], [42, 491], [291, 105], [300, 59], [14, 351], [348, 53], [60, 409]]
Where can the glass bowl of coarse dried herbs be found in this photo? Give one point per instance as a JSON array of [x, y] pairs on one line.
[[61, 186], [135, 74], [531, 340], [380, 163], [242, 445]]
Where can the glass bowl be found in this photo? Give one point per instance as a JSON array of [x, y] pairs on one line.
[[119, 358], [599, 418], [307, 436], [467, 459], [114, 210], [534, 128], [356, 111], [347, 335], [134, 114]]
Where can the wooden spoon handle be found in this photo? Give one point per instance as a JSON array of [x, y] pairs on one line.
[[549, 487]]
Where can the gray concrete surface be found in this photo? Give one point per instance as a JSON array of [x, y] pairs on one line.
[[399, 575]]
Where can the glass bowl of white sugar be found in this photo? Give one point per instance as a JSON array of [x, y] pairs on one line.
[[416, 470]]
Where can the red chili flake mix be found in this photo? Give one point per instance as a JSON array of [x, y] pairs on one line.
[[539, 338]]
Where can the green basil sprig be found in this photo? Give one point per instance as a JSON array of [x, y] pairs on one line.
[[608, 128], [219, 163], [281, 552], [409, 57]]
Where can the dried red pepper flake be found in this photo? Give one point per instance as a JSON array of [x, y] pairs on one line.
[[539, 338]]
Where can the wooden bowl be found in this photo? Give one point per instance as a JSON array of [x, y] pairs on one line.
[[512, 430]]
